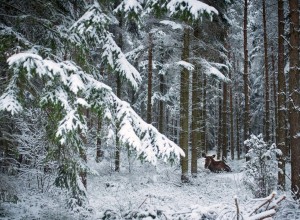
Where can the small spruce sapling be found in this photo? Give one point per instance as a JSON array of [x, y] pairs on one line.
[[262, 167]]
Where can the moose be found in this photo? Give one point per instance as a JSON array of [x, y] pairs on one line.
[[215, 166]]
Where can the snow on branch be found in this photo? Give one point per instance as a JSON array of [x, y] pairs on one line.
[[117, 60], [132, 9], [195, 8], [142, 137], [64, 81], [185, 65], [9, 101], [172, 24], [211, 70], [93, 27], [88, 26]]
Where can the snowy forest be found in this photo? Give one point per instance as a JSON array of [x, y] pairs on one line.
[[149, 109]]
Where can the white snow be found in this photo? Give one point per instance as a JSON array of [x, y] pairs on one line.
[[196, 8], [186, 65], [172, 24]]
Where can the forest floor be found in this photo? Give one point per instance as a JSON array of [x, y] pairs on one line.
[[147, 192]]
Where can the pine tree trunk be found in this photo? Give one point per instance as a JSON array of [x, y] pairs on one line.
[[231, 119], [149, 105], [219, 146], [224, 123], [274, 100], [267, 89], [238, 146], [281, 128], [294, 98], [119, 85], [99, 151], [246, 79], [204, 115], [196, 109], [161, 105], [118, 147], [184, 109]]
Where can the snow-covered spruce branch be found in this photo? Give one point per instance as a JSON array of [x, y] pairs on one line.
[[92, 27], [74, 88]]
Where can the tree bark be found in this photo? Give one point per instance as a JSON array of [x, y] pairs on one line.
[[224, 123], [149, 105], [231, 117], [196, 109], [246, 79], [204, 115], [219, 147], [184, 109], [294, 98], [267, 88], [281, 99], [161, 105], [119, 85]]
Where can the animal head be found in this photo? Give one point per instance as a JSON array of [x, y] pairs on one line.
[[208, 160]]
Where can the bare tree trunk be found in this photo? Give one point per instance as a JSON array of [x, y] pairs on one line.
[[203, 122], [275, 110], [294, 98], [219, 147], [184, 109], [117, 150], [231, 118], [267, 89], [196, 109], [99, 151], [224, 123], [238, 146], [281, 128], [161, 105], [149, 105], [246, 79]]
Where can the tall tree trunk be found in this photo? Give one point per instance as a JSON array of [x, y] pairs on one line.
[[219, 147], [246, 79], [238, 146], [224, 123], [161, 105], [281, 128], [119, 85], [196, 109], [275, 110], [267, 89], [294, 98], [117, 150], [184, 109], [204, 115], [231, 118], [99, 151], [149, 105]]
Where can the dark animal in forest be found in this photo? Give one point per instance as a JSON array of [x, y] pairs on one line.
[[215, 165]]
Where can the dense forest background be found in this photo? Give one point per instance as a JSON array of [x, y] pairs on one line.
[[154, 80]]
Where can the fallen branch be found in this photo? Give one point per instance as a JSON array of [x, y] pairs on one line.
[[263, 215], [270, 209], [268, 201]]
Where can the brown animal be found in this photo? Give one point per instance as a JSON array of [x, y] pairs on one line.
[[215, 166]]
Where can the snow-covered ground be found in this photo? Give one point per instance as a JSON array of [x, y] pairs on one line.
[[146, 192]]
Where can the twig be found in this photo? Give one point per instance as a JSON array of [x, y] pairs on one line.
[[237, 209], [263, 215], [143, 202], [267, 201], [276, 202]]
